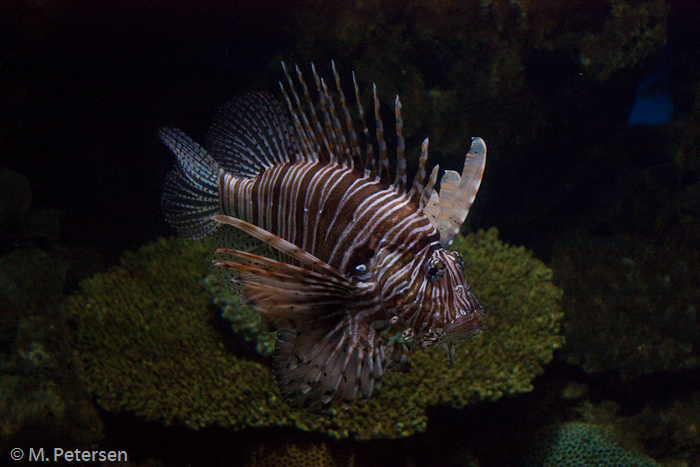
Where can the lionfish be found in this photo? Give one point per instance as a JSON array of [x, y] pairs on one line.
[[362, 273]]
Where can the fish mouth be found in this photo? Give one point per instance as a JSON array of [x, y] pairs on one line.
[[469, 322], [464, 327]]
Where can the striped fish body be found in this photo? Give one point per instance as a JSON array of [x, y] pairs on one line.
[[362, 274], [333, 212]]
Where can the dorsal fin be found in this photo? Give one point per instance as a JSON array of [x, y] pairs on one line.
[[429, 188], [417, 189], [400, 181], [322, 133], [354, 145], [322, 136], [251, 133], [310, 144], [384, 174], [370, 163], [448, 210]]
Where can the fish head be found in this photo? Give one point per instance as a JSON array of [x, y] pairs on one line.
[[453, 312]]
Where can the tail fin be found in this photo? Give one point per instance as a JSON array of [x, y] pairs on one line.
[[191, 190]]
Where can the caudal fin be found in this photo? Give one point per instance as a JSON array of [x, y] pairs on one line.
[[191, 190]]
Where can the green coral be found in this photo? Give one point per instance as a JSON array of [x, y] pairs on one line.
[[145, 342], [245, 321], [631, 304], [577, 444]]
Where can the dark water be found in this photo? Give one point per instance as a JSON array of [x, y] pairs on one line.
[[85, 86]]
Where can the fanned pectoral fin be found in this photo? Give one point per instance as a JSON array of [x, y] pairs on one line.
[[327, 350], [288, 295], [319, 367]]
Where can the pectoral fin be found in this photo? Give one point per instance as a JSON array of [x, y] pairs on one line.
[[327, 349]]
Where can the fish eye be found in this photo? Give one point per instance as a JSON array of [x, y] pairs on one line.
[[435, 269], [360, 273], [458, 256]]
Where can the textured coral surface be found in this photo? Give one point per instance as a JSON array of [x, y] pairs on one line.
[[576, 444], [302, 452], [630, 304]]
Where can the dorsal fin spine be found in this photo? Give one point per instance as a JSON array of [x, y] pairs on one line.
[[342, 147], [321, 128], [354, 146], [400, 181], [327, 104], [304, 124], [384, 175], [417, 189], [429, 187], [370, 162], [307, 145], [313, 123]]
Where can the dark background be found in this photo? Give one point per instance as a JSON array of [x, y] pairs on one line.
[[86, 85]]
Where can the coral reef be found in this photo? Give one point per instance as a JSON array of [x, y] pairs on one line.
[[576, 444], [450, 60], [41, 397], [245, 321], [299, 452], [667, 430], [632, 31], [630, 305], [147, 343]]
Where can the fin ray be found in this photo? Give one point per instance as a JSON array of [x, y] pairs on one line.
[[448, 210], [190, 192], [400, 180], [251, 133], [323, 366]]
